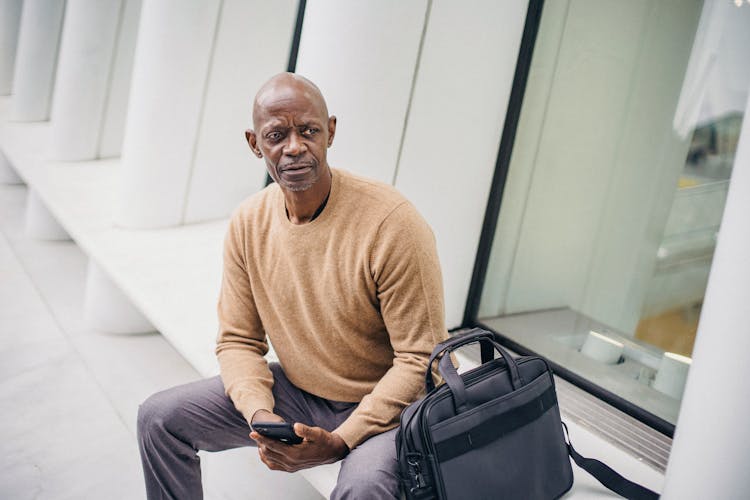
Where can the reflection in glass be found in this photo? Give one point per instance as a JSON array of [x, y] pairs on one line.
[[616, 188]]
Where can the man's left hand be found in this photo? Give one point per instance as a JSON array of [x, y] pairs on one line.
[[319, 447]]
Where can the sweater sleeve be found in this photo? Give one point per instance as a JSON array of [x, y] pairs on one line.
[[241, 344], [406, 271]]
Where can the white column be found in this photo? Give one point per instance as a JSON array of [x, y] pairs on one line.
[[172, 61], [8, 174], [36, 59], [107, 309], [711, 452], [40, 223], [10, 20], [224, 172], [465, 78], [115, 113], [83, 77], [363, 57]]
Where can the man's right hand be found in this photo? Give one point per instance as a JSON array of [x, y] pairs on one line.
[[318, 447]]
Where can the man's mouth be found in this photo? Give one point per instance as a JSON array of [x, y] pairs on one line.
[[296, 167]]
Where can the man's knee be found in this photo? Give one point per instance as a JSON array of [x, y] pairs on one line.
[[159, 413]]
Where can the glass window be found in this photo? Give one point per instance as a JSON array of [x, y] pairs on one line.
[[616, 187]]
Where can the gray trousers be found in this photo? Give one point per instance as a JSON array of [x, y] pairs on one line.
[[174, 424]]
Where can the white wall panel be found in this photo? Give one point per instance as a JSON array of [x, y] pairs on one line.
[[458, 109], [10, 21], [362, 55], [115, 113], [172, 60], [86, 53], [253, 43], [36, 59]]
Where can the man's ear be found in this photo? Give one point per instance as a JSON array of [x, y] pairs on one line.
[[252, 141], [331, 129]]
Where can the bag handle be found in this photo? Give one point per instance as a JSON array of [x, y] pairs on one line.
[[483, 336], [448, 371], [457, 385]]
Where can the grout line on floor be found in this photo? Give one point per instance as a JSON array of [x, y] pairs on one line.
[[67, 337]]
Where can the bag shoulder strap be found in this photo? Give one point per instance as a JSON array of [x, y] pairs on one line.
[[607, 476]]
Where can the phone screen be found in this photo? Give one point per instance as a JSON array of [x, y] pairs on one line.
[[281, 431]]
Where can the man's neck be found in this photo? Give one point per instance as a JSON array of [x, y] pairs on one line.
[[302, 206]]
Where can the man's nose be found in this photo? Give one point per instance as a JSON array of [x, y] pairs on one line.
[[295, 146]]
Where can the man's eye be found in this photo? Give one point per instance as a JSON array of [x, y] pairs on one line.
[[308, 131], [274, 136]]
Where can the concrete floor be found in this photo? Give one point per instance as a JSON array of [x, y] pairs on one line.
[[69, 395]]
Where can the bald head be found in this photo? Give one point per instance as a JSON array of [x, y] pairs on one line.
[[284, 88], [292, 131]]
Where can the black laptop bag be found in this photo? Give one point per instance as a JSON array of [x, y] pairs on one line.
[[493, 432]]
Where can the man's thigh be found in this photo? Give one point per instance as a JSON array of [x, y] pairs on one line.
[[200, 414]]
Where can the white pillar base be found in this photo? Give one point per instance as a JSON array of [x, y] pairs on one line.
[[40, 223], [8, 174], [107, 309]]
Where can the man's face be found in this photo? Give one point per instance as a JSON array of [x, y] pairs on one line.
[[293, 132]]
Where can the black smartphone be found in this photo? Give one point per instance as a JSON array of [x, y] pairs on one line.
[[281, 431]]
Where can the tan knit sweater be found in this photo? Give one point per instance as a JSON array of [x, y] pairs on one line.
[[352, 302]]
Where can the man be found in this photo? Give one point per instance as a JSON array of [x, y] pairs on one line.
[[342, 275]]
